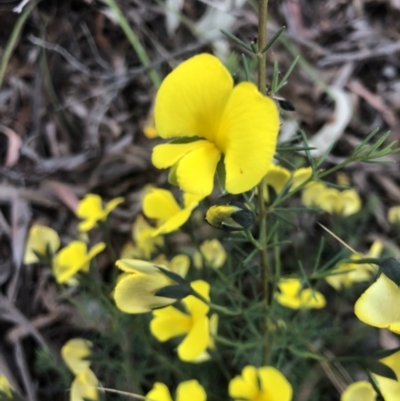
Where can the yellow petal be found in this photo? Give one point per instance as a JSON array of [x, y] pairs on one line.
[[310, 194], [74, 353], [176, 221], [349, 202], [160, 204], [191, 200], [5, 387], [194, 305], [166, 155], [180, 264], [190, 390], [138, 266], [169, 322], [196, 170], [94, 251], [90, 209], [312, 299], [247, 136], [146, 242], [328, 200], [110, 206], [130, 251], [376, 249], [135, 293], [300, 176], [277, 177], [377, 306], [195, 342], [192, 98], [359, 391], [394, 215], [245, 386], [390, 388], [280, 390], [214, 253], [159, 392], [83, 387], [69, 261], [39, 239]]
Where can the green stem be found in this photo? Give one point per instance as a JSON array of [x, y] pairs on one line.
[[262, 87]]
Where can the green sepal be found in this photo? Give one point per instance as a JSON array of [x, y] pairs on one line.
[[379, 368], [391, 268], [174, 291], [173, 276], [172, 177], [221, 173], [245, 217]]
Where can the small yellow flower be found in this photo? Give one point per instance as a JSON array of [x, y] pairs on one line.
[[90, 209], [75, 352], [294, 296], [331, 200], [179, 264], [145, 241], [74, 258], [354, 272], [359, 391], [5, 388], [135, 291], [84, 386], [394, 215], [170, 322], [198, 100], [262, 384], [378, 306], [190, 390], [213, 252], [40, 239], [161, 205]]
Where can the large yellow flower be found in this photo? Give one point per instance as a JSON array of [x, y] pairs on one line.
[[170, 322], [190, 390], [198, 100], [263, 384]]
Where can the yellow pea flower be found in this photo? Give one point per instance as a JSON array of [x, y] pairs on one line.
[[84, 386], [394, 215], [5, 388], [179, 264], [265, 383], [213, 252], [74, 258], [170, 322], [145, 241], [293, 295], [161, 205], [378, 305], [91, 210], [198, 100], [354, 272], [189, 390], [359, 391], [40, 238], [213, 328], [74, 353], [135, 291], [311, 192]]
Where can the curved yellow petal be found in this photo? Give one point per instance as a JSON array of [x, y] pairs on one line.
[[160, 204], [166, 155], [194, 305], [169, 322], [310, 194], [74, 353], [214, 253], [300, 176], [196, 170], [180, 264], [359, 391], [277, 177], [192, 98], [280, 390], [247, 136], [394, 215], [174, 222], [113, 203], [40, 238], [83, 387], [312, 299], [376, 249], [140, 266], [378, 305], [390, 388], [130, 251], [159, 392], [90, 209], [349, 202], [245, 386], [190, 390], [135, 293], [196, 341], [328, 199]]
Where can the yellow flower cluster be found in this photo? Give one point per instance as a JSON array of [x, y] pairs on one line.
[[84, 386], [331, 200]]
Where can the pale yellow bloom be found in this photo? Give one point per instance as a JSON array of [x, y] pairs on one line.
[[84, 386], [394, 215], [190, 390], [40, 240], [213, 252], [74, 353]]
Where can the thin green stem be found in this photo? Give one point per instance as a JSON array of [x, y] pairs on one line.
[[262, 87]]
